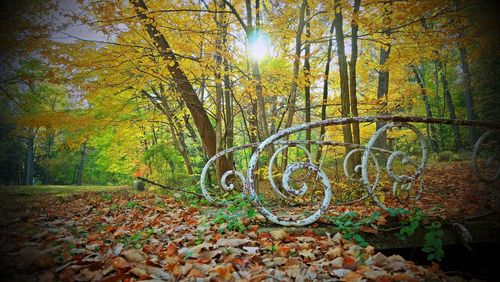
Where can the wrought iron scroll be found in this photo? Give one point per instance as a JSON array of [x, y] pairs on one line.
[[490, 161], [401, 182]]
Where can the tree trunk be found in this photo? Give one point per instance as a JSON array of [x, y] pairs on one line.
[[30, 159], [307, 75], [451, 108], [352, 79], [292, 99], [383, 78], [431, 129], [438, 104], [263, 127], [48, 156], [324, 100], [469, 106], [177, 136], [218, 88], [228, 103], [79, 172], [183, 85], [382, 91], [344, 78]]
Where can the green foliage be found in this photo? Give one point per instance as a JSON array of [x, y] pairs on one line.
[[106, 197], [232, 218], [410, 223], [349, 226], [433, 244], [139, 238], [412, 220]]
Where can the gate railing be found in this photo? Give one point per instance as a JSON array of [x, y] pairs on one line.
[[402, 181]]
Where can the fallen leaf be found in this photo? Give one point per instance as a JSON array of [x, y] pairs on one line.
[[251, 250], [133, 255], [225, 271], [120, 263], [157, 272], [195, 273], [368, 229], [278, 234], [231, 242], [335, 252]]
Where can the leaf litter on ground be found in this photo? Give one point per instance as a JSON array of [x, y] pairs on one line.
[[130, 237]]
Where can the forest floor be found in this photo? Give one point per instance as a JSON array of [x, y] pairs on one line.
[[116, 234]]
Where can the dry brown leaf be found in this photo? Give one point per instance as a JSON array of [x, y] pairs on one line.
[[224, 271], [195, 273], [139, 272], [278, 234], [157, 272], [120, 263], [335, 252], [232, 242], [134, 255], [251, 250]]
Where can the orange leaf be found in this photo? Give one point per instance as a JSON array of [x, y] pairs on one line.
[[171, 250], [225, 271], [195, 273], [368, 229], [120, 263], [283, 251]]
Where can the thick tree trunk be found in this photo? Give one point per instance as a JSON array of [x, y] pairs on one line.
[[307, 75], [469, 104], [382, 91], [184, 87], [324, 100], [344, 78], [451, 108]]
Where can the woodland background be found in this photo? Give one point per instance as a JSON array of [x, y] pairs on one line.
[[151, 88]]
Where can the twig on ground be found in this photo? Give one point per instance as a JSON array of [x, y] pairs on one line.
[[168, 188]]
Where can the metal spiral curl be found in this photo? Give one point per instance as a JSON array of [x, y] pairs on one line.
[[272, 161], [231, 185], [224, 185], [399, 180], [358, 167], [475, 156]]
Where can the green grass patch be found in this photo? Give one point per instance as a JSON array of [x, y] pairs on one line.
[[55, 190]]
